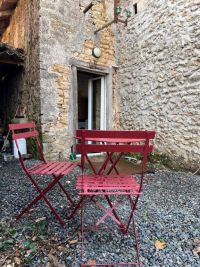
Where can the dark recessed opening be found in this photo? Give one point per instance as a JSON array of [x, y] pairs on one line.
[[84, 100], [135, 8]]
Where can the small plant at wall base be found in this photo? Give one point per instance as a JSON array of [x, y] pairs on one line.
[[155, 161]]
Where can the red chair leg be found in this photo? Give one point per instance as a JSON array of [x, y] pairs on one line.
[[82, 229], [40, 196], [77, 207], [108, 212], [65, 192], [28, 207], [136, 241], [122, 226]]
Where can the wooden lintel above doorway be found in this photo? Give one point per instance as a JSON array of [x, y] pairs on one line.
[[7, 8]]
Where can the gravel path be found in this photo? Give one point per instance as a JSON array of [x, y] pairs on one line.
[[168, 211]]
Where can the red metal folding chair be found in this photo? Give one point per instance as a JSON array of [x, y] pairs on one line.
[[107, 181], [57, 169]]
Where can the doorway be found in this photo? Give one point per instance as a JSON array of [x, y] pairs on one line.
[[91, 101]]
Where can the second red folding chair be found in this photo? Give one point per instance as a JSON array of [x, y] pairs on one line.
[[57, 169], [106, 186]]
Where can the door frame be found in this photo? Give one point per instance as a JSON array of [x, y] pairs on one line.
[[102, 101], [107, 72]]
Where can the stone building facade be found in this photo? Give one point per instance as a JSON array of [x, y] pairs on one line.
[[159, 77], [150, 69], [66, 41]]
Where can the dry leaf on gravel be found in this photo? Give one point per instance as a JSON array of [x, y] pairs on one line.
[[74, 241], [18, 261], [160, 244], [197, 241], [62, 248], [52, 251], [40, 219], [55, 238], [54, 262], [34, 238], [17, 253], [31, 210]]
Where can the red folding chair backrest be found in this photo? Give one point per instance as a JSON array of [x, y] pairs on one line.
[[114, 141], [123, 138], [26, 130], [23, 130]]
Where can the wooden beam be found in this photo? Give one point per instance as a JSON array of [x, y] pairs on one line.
[[11, 62], [3, 25], [7, 8], [10, 1], [7, 4], [5, 14]]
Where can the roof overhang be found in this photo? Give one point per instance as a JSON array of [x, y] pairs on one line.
[[10, 59], [10, 55], [7, 8]]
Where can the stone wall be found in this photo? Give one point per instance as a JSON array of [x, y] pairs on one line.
[[15, 34], [31, 93], [23, 33], [159, 77], [67, 33]]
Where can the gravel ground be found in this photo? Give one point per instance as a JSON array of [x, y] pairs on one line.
[[168, 215]]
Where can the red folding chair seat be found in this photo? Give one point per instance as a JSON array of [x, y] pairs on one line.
[[113, 185], [57, 169], [107, 181]]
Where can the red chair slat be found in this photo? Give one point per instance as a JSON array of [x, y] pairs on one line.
[[70, 168], [20, 126], [42, 169], [25, 135], [125, 184], [88, 148], [53, 167], [62, 168], [29, 130], [65, 168], [115, 134], [35, 167]]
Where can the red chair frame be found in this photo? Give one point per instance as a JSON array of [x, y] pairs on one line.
[[57, 169], [103, 183]]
